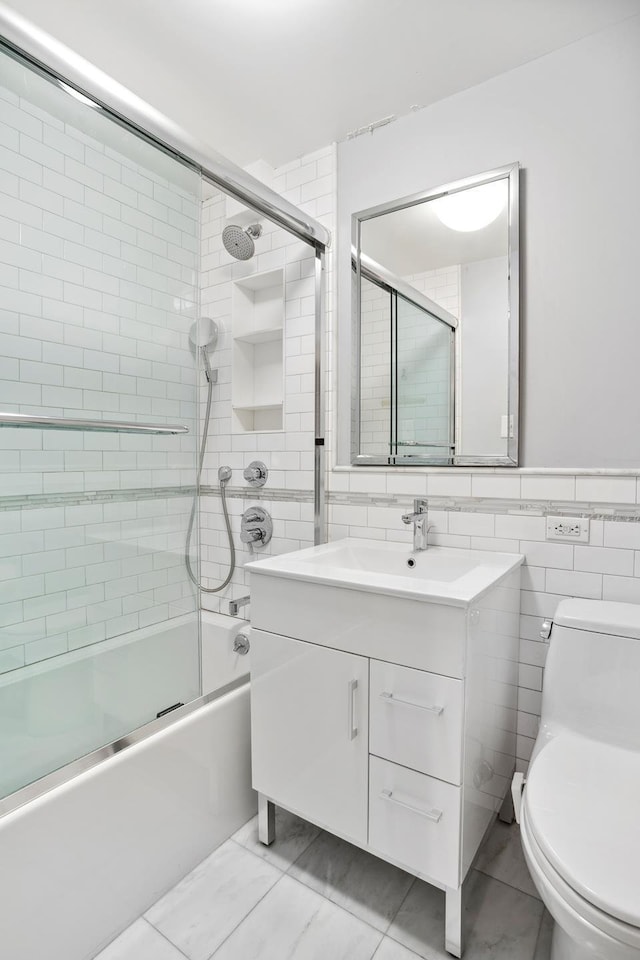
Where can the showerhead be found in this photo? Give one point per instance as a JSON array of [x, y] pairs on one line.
[[224, 474], [239, 242]]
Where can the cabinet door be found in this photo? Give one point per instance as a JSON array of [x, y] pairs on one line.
[[309, 711]]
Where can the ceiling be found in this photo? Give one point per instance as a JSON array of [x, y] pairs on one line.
[[275, 79]]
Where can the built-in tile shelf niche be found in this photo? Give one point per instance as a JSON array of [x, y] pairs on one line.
[[258, 370]]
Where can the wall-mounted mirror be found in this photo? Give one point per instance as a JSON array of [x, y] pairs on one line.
[[435, 295]]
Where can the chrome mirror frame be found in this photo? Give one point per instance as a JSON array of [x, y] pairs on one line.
[[510, 172]]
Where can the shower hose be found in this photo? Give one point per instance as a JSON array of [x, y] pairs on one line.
[[194, 506]]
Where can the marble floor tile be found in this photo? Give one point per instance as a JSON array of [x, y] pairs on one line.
[[392, 950], [293, 836], [501, 923], [294, 923], [501, 857], [203, 909], [543, 947], [368, 887], [140, 941]]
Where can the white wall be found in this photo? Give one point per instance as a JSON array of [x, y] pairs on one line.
[[571, 118]]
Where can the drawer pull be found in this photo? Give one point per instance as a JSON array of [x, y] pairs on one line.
[[434, 815], [353, 725], [390, 698]]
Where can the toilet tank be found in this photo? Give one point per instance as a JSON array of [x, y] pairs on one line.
[[592, 675]]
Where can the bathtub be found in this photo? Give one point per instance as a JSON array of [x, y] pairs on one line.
[[82, 861]]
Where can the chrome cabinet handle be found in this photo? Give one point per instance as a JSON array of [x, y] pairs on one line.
[[434, 815], [353, 726], [390, 698]]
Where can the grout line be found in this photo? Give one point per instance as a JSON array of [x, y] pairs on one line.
[[545, 914], [485, 873], [247, 915], [503, 883], [164, 937], [401, 904], [333, 903]]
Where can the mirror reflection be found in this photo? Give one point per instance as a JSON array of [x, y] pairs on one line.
[[435, 279]]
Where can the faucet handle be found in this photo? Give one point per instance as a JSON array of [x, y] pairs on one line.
[[420, 505], [252, 535]]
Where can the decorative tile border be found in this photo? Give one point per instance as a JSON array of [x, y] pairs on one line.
[[595, 511], [260, 493], [36, 501]]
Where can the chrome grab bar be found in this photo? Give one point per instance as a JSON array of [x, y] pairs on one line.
[[96, 426]]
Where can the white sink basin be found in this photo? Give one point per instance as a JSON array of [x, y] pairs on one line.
[[445, 574]]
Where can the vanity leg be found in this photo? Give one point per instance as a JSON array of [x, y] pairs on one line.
[[266, 820], [506, 813], [453, 921]]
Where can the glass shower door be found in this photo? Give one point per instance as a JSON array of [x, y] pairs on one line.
[[99, 254], [424, 394]]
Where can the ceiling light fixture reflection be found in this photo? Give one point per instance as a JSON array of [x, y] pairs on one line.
[[472, 209]]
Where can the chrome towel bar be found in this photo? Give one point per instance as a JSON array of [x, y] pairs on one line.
[[99, 426]]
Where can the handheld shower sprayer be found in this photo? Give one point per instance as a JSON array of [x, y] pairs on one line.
[[211, 375], [203, 337]]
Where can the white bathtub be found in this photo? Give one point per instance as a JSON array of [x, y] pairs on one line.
[[85, 859]]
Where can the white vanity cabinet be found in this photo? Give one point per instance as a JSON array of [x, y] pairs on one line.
[[310, 711], [387, 720]]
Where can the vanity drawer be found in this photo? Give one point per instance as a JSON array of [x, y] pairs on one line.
[[416, 719], [415, 820]]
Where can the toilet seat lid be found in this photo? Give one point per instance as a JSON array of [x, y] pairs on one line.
[[583, 806]]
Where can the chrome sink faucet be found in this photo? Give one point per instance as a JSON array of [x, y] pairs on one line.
[[420, 525]]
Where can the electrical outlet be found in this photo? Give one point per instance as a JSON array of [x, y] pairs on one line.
[[574, 529], [506, 426]]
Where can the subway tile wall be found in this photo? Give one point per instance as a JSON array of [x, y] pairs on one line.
[[75, 575], [608, 567], [288, 453], [99, 247]]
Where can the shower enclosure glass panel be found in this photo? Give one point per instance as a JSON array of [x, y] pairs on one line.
[[407, 379], [375, 368], [99, 251], [424, 404]]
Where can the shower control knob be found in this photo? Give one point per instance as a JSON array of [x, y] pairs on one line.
[[251, 536], [241, 644], [256, 473], [256, 526]]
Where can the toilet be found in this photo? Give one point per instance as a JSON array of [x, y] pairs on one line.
[[580, 811]]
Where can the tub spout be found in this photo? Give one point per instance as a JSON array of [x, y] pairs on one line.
[[234, 605]]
